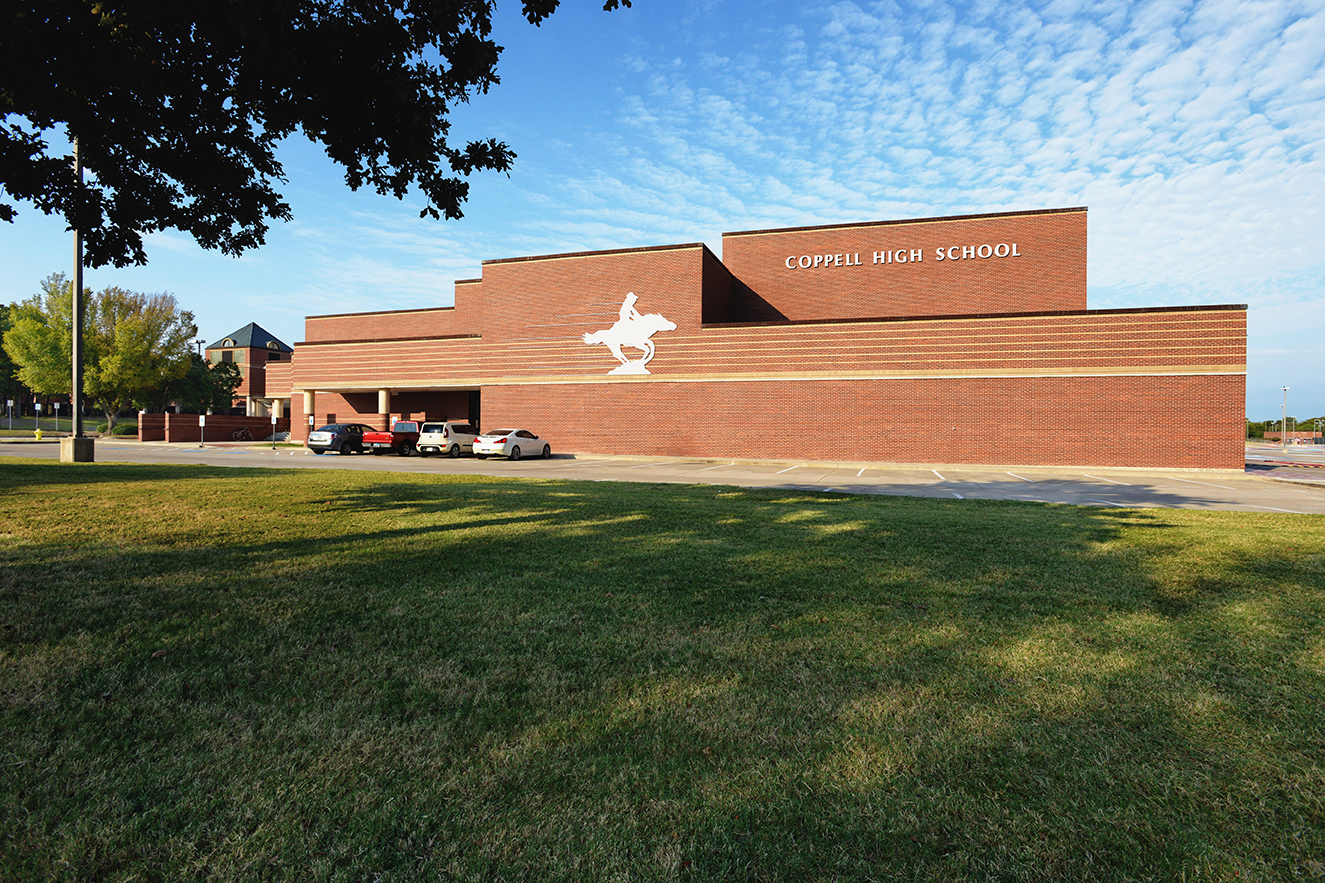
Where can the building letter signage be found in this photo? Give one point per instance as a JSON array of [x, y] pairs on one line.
[[902, 256], [966, 252], [631, 330]]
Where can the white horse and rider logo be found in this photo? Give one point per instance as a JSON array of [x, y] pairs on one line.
[[631, 330]]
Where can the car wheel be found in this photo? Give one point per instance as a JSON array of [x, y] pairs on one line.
[[476, 456], [406, 449], [515, 451], [547, 449], [377, 452], [455, 449], [319, 453]]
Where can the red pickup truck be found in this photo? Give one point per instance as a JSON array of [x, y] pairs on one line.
[[402, 439]]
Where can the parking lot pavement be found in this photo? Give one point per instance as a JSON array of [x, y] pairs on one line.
[[1268, 484]]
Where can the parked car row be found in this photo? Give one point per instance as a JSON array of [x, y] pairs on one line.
[[406, 437]]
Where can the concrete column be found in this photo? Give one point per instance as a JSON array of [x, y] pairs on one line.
[[277, 408], [299, 428], [384, 409]]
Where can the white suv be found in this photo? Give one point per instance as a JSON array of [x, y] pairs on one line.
[[452, 438]]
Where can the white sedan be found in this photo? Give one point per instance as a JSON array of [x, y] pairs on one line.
[[513, 443]]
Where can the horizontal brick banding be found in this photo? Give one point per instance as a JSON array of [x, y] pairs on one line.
[[1106, 342], [389, 324], [278, 379], [444, 362]]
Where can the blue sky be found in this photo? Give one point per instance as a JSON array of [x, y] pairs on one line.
[[1193, 131]]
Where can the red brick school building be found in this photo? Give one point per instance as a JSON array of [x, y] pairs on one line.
[[942, 340]]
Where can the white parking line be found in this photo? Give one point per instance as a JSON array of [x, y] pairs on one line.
[[1115, 503], [1271, 508], [640, 466], [788, 469], [954, 493], [720, 466], [858, 474], [1175, 478], [1109, 480], [935, 471], [1013, 474]]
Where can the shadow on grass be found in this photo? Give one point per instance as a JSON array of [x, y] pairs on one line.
[[512, 680]]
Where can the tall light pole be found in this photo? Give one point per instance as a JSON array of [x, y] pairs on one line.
[[1283, 434], [76, 400], [77, 448]]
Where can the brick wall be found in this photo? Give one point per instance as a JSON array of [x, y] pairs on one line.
[[219, 428], [1035, 421], [278, 378], [390, 324], [1004, 263]]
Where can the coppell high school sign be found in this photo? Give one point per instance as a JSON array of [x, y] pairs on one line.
[[672, 351], [903, 256]]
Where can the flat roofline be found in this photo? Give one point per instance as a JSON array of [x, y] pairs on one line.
[[907, 221], [1203, 308], [380, 313], [586, 254], [390, 339]]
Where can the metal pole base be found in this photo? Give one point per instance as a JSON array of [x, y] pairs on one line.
[[77, 450]]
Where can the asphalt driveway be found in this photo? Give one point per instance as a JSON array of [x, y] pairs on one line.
[[1275, 479]]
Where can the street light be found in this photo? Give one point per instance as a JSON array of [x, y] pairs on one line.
[[1283, 435], [199, 342]]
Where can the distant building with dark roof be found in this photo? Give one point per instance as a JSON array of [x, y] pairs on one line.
[[254, 349]]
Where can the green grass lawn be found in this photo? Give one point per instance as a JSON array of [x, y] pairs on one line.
[[232, 674]]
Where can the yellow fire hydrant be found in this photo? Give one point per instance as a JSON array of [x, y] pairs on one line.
[[38, 434]]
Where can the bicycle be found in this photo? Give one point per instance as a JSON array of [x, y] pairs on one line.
[[241, 435]]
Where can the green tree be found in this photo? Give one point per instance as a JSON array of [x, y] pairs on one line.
[[206, 386], [132, 343], [11, 388], [177, 108]]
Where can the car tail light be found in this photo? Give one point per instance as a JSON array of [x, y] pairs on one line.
[[446, 430]]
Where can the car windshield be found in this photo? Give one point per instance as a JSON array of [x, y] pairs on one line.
[[427, 427], [330, 427], [402, 426]]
